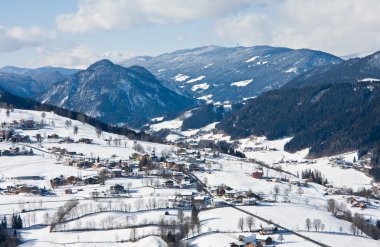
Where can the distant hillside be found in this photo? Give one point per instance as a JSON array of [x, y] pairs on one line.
[[9, 100], [31, 82], [328, 119], [29, 85], [350, 71], [47, 69], [231, 74], [116, 95]]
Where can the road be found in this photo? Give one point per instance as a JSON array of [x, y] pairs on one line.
[[259, 217]]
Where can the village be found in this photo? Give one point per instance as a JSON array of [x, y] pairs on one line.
[[130, 190]]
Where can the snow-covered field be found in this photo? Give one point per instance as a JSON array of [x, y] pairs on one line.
[[219, 226]]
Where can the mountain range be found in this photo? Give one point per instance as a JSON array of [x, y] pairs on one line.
[[223, 74], [328, 111], [116, 94], [31, 82]]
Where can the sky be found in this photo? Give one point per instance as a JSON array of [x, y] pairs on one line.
[[76, 33]]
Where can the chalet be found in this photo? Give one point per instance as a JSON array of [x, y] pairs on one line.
[[230, 193], [68, 162], [220, 191], [201, 201], [249, 201], [53, 136], [184, 195], [68, 191], [250, 241], [218, 203], [20, 138], [257, 174], [268, 230], [28, 125], [182, 151], [178, 176], [27, 189], [58, 181], [237, 244], [97, 166], [169, 183], [6, 133], [117, 189], [91, 180], [193, 167], [85, 141], [67, 140], [116, 173]]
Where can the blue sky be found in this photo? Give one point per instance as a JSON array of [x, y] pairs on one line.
[[75, 33]]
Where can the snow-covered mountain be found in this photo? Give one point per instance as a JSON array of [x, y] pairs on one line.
[[356, 70], [221, 74], [28, 71], [26, 82], [29, 85], [116, 94]]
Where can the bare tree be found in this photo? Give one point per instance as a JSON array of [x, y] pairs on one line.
[[250, 222], [280, 238], [46, 218], [162, 227], [300, 190], [331, 206], [133, 234], [241, 224], [138, 204], [75, 130], [354, 229], [98, 132], [317, 223], [308, 224], [199, 226]]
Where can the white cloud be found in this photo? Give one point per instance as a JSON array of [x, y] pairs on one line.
[[64, 55], [124, 14], [15, 38], [337, 26], [72, 55], [117, 56]]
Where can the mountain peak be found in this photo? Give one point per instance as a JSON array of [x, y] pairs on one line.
[[100, 64]]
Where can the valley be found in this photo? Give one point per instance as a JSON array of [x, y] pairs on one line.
[[73, 185]]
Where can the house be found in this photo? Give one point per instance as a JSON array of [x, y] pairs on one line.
[[58, 181], [116, 173], [250, 241], [91, 180], [257, 174], [117, 189], [24, 189], [237, 244], [169, 183], [218, 203], [182, 151], [68, 191], [268, 230], [249, 201], [85, 141], [220, 191], [184, 195], [230, 193], [201, 201], [53, 136]]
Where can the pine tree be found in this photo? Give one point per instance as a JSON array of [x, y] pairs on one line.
[[14, 221], [194, 213], [19, 222], [3, 223]]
